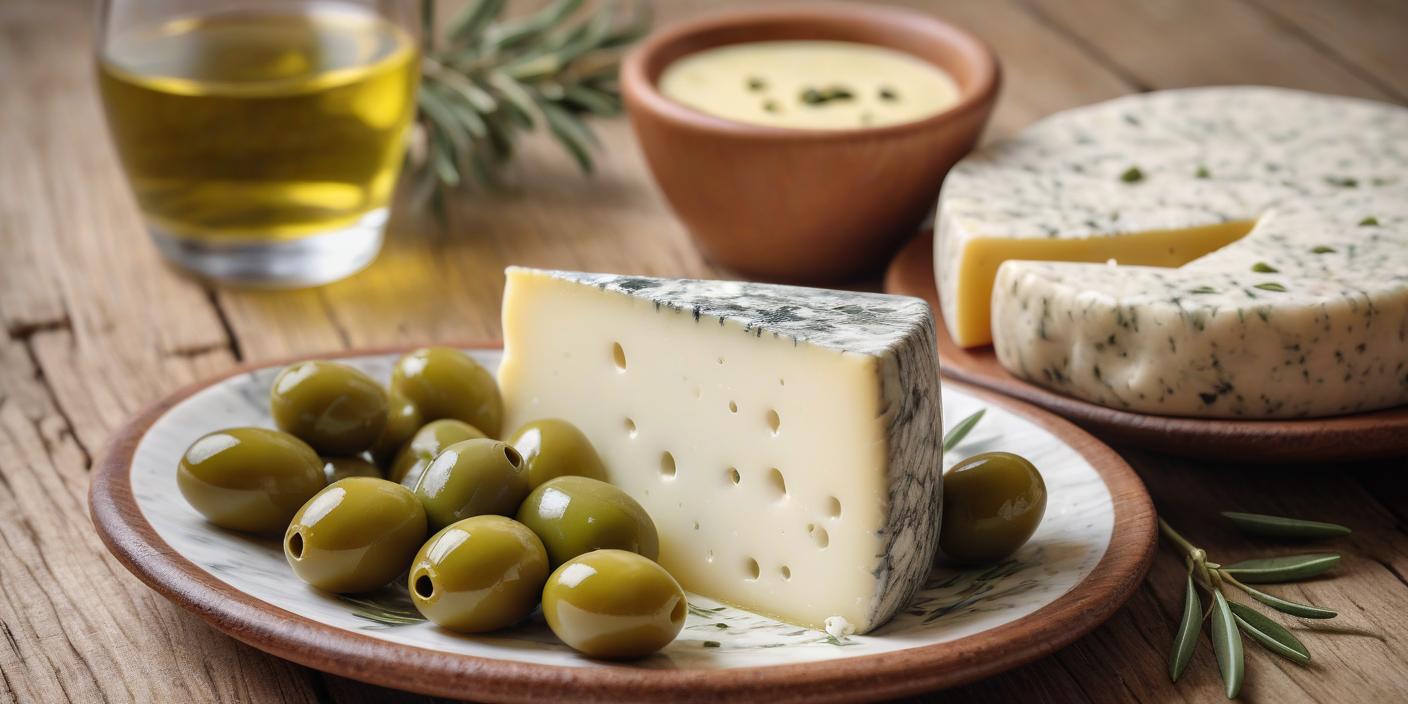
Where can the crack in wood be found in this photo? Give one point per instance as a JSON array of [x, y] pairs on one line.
[[68, 426], [234, 341], [23, 330]]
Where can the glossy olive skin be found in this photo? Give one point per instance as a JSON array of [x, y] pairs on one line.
[[403, 419], [480, 574], [337, 409], [355, 535], [576, 515], [428, 442], [446, 383], [249, 479], [472, 478], [554, 448], [614, 604], [993, 502], [338, 468]]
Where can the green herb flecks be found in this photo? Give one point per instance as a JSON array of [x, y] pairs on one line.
[[829, 94], [960, 431], [1264, 268], [1202, 290], [1202, 172], [1342, 181], [1231, 619], [1132, 174], [1323, 249], [770, 106], [1370, 221], [756, 84], [1271, 286], [889, 94], [712, 644]]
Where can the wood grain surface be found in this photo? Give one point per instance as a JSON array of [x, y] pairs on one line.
[[1373, 435], [95, 327]]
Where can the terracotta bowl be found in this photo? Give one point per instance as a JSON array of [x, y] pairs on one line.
[[806, 205]]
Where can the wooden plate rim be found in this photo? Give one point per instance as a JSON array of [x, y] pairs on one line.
[[1367, 435], [132, 539]]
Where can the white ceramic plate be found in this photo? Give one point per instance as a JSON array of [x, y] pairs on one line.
[[1077, 534]]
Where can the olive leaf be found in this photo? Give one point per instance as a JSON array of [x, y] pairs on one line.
[[1186, 640], [1281, 527], [1276, 602], [1227, 645], [1287, 568], [1270, 634], [960, 431]]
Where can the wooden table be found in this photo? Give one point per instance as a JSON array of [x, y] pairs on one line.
[[95, 326]]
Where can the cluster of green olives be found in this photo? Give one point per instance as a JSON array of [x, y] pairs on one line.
[[358, 475]]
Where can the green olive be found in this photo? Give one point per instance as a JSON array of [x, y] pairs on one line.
[[403, 419], [333, 407], [250, 479], [472, 478], [993, 503], [480, 574], [355, 535], [446, 383], [338, 468], [428, 442], [576, 515], [614, 604], [554, 448]]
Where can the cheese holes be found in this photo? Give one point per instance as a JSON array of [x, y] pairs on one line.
[[821, 537], [774, 421], [778, 484], [630, 428], [732, 407], [751, 570], [667, 465], [786, 572], [733, 476], [618, 354], [833, 507]]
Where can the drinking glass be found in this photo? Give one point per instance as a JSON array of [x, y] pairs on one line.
[[262, 138]]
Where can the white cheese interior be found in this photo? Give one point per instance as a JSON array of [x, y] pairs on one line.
[[796, 478]]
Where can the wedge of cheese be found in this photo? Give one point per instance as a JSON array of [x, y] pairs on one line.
[[1278, 223], [786, 441]]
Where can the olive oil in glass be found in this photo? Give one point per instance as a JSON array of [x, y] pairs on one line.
[[263, 143]]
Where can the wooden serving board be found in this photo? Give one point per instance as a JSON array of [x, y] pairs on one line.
[[1086, 559], [1361, 436]]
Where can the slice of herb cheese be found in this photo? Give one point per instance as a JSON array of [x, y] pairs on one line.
[[785, 440], [1261, 241]]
